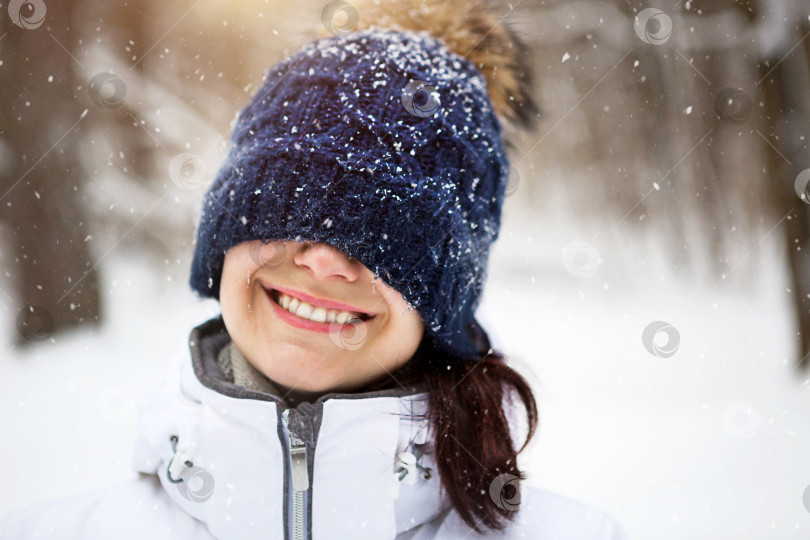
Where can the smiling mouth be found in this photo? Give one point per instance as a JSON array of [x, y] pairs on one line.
[[314, 313]]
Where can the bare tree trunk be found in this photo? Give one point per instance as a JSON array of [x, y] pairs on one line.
[[56, 282], [787, 88]]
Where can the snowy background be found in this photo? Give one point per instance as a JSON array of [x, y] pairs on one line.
[[710, 443], [642, 197]]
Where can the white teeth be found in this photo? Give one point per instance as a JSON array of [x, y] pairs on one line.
[[317, 314], [304, 310]]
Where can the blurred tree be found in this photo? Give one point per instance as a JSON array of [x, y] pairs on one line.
[[667, 124], [41, 123], [785, 83]]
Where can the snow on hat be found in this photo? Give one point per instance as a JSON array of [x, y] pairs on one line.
[[385, 142]]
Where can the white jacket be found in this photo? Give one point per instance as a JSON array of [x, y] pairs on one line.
[[349, 466]]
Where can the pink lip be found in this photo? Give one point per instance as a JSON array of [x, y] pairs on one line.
[[318, 302]]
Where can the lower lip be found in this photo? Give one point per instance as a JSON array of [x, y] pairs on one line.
[[299, 322]]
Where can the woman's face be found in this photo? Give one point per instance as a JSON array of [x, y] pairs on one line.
[[324, 346]]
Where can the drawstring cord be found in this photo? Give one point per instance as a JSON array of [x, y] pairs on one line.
[[185, 452], [408, 462], [406, 473]]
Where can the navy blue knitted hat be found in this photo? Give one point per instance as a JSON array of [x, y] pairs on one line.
[[385, 144]]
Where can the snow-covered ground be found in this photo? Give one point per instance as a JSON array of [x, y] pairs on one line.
[[712, 442]]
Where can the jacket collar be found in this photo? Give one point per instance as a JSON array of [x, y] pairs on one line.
[[347, 465], [238, 370]]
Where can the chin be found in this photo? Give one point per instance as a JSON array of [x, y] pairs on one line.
[[304, 376], [308, 385]]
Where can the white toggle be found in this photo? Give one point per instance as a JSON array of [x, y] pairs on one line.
[[185, 452]]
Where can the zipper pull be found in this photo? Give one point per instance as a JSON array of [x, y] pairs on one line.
[[298, 456]]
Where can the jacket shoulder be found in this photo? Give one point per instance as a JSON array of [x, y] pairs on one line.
[[132, 509], [542, 514], [558, 516]]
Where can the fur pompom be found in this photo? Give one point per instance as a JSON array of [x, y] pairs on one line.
[[469, 28]]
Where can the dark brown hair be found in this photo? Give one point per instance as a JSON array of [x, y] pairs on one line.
[[474, 448]]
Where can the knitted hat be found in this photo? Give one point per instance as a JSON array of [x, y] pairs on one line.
[[384, 143]]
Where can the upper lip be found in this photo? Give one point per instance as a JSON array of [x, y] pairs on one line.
[[318, 302]]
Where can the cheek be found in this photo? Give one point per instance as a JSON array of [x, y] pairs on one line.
[[399, 336], [236, 298]]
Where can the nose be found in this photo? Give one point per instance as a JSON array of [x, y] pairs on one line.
[[326, 262]]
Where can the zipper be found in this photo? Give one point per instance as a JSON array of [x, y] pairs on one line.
[[297, 480]]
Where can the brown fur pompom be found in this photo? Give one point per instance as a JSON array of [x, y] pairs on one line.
[[469, 28]]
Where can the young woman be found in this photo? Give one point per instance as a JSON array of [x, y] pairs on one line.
[[346, 390]]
